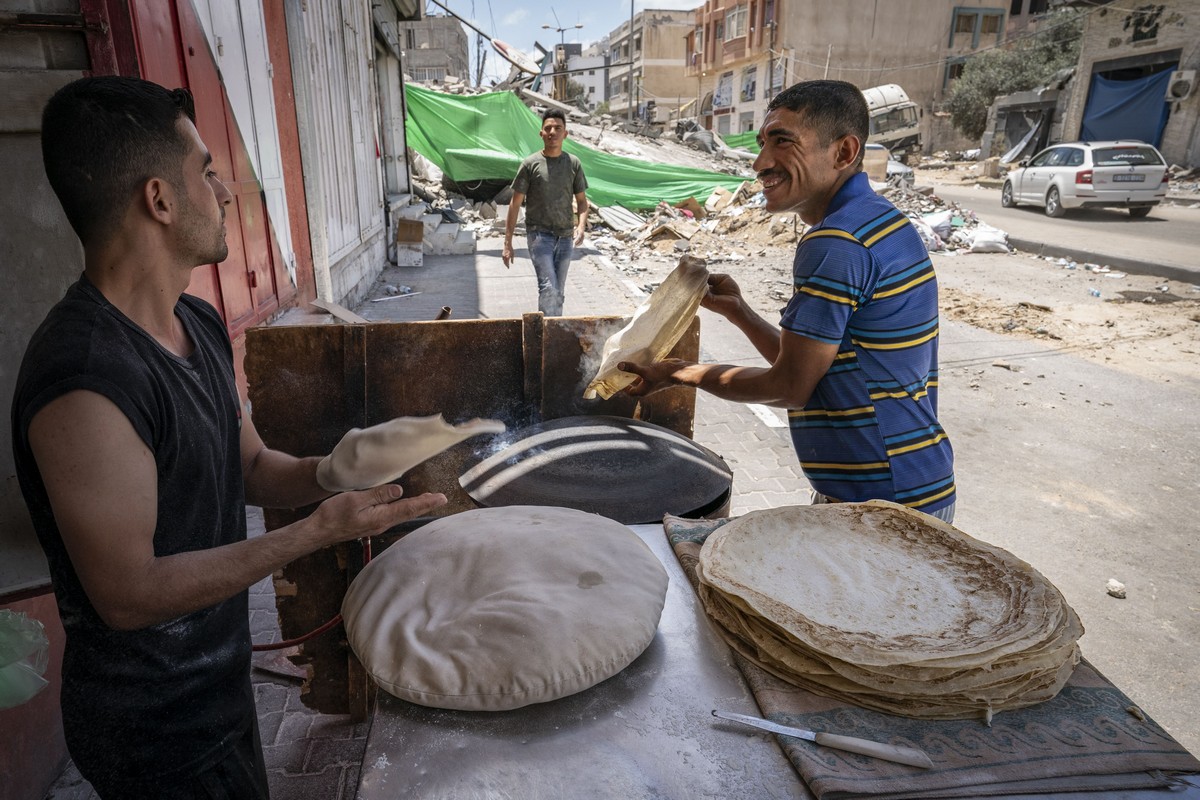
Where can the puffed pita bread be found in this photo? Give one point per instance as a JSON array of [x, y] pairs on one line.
[[498, 608]]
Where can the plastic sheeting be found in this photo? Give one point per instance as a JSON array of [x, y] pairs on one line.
[[24, 655], [1023, 145], [1134, 109], [487, 136], [747, 140]]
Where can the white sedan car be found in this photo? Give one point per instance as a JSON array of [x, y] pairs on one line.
[[1122, 174]]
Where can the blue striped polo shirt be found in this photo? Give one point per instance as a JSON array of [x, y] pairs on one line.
[[863, 280]]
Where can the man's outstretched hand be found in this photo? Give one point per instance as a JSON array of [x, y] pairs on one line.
[[357, 515], [652, 377]]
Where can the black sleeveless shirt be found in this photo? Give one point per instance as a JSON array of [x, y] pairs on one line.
[[171, 699]]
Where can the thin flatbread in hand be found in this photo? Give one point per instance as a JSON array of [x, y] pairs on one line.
[[655, 328], [382, 453]]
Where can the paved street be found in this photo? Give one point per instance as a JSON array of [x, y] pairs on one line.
[[1170, 236]]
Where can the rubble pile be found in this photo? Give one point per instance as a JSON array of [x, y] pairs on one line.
[[732, 225], [946, 159], [1185, 181], [729, 227], [946, 228]]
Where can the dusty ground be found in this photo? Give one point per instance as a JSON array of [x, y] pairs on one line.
[[1136, 323]]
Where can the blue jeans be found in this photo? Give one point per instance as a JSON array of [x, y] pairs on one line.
[[551, 256]]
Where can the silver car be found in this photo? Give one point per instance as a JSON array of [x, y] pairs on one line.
[[1121, 174]]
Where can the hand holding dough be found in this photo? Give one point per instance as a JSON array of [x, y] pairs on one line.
[[367, 457], [657, 325]]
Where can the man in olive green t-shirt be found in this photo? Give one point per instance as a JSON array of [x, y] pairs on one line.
[[546, 182]]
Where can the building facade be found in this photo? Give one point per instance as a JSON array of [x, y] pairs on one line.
[[590, 70], [1151, 52], [741, 53], [1024, 16], [435, 48], [647, 78], [734, 58]]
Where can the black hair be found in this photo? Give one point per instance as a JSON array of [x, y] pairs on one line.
[[103, 138], [832, 109], [554, 113]]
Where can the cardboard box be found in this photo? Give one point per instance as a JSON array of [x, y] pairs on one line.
[[409, 231], [410, 236]]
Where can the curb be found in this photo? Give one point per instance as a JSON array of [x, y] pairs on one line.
[[1130, 265]]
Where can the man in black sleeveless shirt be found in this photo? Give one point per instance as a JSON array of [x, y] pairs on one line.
[[136, 460]]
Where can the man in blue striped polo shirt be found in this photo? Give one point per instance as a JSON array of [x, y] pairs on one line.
[[855, 357]]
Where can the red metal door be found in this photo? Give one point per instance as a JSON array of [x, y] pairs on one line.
[[173, 51]]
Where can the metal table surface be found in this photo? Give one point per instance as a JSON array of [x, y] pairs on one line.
[[647, 732]]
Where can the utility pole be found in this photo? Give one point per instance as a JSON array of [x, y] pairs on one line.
[[480, 60], [629, 116]]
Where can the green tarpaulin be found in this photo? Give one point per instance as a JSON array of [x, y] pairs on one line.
[[487, 136], [747, 140]]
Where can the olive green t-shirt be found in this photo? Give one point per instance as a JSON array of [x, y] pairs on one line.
[[550, 186]]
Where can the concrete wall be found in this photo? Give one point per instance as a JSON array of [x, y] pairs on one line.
[[663, 78], [41, 257], [873, 43], [1108, 36], [39, 252], [355, 273]]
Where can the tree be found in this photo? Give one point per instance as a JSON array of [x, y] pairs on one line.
[[1027, 64], [576, 93]]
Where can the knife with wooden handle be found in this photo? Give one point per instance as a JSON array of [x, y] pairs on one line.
[[888, 752]]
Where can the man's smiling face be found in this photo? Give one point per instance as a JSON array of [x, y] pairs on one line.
[[797, 172]]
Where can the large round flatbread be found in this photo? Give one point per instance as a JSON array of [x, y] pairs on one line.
[[498, 608]]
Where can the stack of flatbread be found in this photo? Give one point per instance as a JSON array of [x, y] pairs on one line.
[[889, 609]]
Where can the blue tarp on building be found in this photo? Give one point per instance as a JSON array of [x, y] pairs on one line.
[[1134, 109]]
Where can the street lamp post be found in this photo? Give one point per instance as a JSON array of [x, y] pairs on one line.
[[560, 78], [561, 31]]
